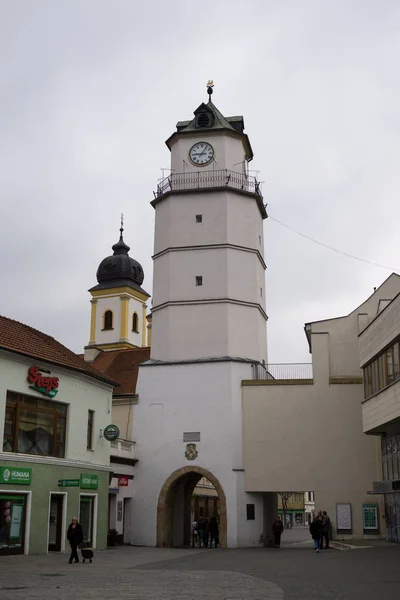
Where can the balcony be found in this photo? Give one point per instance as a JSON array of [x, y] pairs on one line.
[[282, 372], [123, 449], [210, 180]]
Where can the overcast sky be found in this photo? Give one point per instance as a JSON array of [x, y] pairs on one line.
[[91, 89]]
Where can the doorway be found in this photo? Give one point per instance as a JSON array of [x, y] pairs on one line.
[[55, 522], [86, 519], [175, 511]]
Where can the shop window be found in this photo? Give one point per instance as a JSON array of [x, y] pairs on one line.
[[108, 320], [34, 426], [135, 323], [89, 442], [12, 523]]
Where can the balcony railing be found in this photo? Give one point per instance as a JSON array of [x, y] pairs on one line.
[[197, 180], [122, 449], [282, 371]]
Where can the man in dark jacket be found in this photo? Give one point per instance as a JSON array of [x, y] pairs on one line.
[[326, 530], [315, 530], [277, 528], [75, 537]]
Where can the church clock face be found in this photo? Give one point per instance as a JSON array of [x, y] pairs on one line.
[[201, 153]]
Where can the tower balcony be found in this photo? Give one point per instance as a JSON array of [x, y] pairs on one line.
[[203, 181]]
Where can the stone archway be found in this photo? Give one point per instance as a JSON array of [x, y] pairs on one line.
[[186, 479]]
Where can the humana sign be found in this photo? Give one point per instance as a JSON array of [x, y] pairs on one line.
[[48, 386], [19, 476]]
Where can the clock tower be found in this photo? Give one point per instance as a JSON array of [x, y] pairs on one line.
[[208, 330]]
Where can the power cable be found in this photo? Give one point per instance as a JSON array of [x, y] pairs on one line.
[[307, 237]]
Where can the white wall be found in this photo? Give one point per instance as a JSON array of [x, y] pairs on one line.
[[79, 392], [136, 306], [228, 152], [381, 331], [198, 397], [227, 217], [382, 408], [204, 330]]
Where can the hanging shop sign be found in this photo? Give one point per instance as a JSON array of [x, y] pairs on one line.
[[111, 433], [123, 481], [15, 475], [48, 386], [69, 482], [89, 482], [370, 516]]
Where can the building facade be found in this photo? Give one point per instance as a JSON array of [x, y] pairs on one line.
[[54, 463], [380, 361], [291, 508], [117, 345], [311, 413]]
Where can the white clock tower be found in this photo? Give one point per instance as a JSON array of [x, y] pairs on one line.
[[208, 329]]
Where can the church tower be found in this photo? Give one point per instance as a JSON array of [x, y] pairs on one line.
[[208, 331], [118, 312]]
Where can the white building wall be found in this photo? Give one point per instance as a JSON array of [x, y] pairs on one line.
[[112, 335], [213, 393], [79, 392], [208, 330], [228, 152], [227, 217], [381, 409], [135, 306]]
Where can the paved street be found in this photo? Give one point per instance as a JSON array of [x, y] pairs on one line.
[[294, 573]]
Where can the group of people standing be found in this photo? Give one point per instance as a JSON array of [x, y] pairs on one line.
[[205, 532], [321, 530]]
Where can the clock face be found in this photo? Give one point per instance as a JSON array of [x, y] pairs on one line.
[[201, 153]]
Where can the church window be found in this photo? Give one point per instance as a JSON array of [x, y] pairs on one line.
[[108, 320], [199, 218], [199, 280], [135, 323]]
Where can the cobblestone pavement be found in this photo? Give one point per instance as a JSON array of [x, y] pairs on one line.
[[291, 573]]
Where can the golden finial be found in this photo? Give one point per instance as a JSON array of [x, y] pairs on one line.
[[210, 83]]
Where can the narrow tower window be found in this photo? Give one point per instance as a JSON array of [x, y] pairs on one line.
[[199, 280], [108, 320], [135, 323], [199, 218]]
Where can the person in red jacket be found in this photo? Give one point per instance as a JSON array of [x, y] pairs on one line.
[[277, 529]]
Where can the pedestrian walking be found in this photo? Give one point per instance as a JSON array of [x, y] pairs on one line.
[[195, 533], [201, 528], [75, 537], [206, 533], [213, 530], [315, 530], [325, 530], [277, 529]]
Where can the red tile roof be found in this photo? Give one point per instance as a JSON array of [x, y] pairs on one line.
[[122, 366], [22, 339]]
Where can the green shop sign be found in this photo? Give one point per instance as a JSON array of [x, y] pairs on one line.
[[89, 482], [15, 475], [111, 433], [68, 482]]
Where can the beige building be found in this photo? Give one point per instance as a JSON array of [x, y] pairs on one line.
[[303, 430], [380, 360]]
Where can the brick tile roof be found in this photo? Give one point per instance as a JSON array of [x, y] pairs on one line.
[[122, 366], [22, 339]]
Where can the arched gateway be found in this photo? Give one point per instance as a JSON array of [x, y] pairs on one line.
[[174, 507]]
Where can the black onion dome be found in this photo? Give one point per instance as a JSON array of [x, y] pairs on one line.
[[120, 269]]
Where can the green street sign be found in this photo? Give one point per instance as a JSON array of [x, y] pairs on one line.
[[15, 475], [89, 482], [68, 482]]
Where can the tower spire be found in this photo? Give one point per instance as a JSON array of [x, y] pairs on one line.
[[121, 229]]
